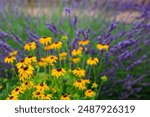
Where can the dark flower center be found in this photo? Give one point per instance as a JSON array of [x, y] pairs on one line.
[[9, 56], [11, 97], [42, 85], [79, 81], [65, 95], [58, 69], [29, 56], [25, 68], [26, 83], [52, 57], [44, 37], [22, 61], [17, 89], [56, 42], [38, 93]]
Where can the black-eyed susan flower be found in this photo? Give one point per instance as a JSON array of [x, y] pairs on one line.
[[45, 40], [51, 59], [76, 52], [10, 59], [104, 78], [13, 53], [75, 59], [26, 72], [56, 45], [79, 72], [92, 61], [64, 37], [48, 47], [84, 42], [89, 93], [42, 87], [22, 63], [63, 56], [80, 84], [46, 97], [27, 84], [17, 91], [94, 85], [58, 72], [30, 46], [38, 95], [12, 97], [31, 59], [65, 97], [43, 62], [102, 46]]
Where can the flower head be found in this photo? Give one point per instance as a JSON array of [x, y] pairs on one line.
[[30, 46], [89, 93], [92, 61], [104, 78], [65, 97], [75, 59], [38, 94], [10, 59], [79, 72], [45, 40], [62, 56], [102, 47], [84, 42], [56, 45], [58, 72], [64, 37]]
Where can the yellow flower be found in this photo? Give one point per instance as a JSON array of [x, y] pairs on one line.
[[56, 45], [94, 85], [75, 59], [51, 59], [46, 97], [13, 53], [81, 84], [104, 78], [9, 59], [30, 46], [22, 63], [17, 91], [92, 61], [38, 95], [48, 47], [64, 37], [27, 84], [31, 59], [42, 87], [1, 86], [12, 97], [76, 52], [62, 56], [65, 97], [102, 46], [84, 42], [43, 62], [54, 90], [58, 72], [89, 93], [45, 40], [79, 72], [26, 72]]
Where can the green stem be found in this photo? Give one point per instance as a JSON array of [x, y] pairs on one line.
[[99, 91]]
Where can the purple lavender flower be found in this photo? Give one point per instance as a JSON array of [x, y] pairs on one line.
[[53, 28]]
